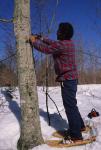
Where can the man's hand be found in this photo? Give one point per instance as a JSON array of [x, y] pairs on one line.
[[32, 38]]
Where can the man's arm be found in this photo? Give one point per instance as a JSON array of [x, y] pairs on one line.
[[58, 44], [48, 41], [45, 47]]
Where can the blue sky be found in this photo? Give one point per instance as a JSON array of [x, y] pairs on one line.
[[81, 13]]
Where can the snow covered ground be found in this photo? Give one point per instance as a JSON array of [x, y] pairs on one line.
[[88, 96]]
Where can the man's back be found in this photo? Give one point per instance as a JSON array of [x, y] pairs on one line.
[[64, 61]]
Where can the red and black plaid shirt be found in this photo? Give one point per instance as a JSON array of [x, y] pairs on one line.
[[63, 53]]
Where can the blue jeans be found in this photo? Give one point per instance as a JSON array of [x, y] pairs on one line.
[[68, 90]]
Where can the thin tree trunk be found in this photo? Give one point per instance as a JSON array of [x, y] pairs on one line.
[[30, 123]]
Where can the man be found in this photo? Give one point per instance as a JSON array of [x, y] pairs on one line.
[[63, 53]]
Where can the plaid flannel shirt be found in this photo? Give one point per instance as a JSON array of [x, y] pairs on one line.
[[63, 53]]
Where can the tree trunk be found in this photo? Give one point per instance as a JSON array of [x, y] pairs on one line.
[[30, 122]]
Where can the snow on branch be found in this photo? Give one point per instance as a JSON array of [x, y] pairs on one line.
[[6, 20]]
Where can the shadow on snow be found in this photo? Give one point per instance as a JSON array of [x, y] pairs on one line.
[[56, 121], [13, 105]]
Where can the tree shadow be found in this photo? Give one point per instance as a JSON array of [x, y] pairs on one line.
[[13, 105], [56, 121]]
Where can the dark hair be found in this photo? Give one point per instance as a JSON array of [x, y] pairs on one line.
[[65, 31]]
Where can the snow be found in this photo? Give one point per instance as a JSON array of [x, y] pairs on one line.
[[88, 96]]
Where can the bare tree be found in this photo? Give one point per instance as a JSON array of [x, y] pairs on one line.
[[80, 59], [30, 123]]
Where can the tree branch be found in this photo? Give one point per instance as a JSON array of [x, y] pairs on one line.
[[6, 21]]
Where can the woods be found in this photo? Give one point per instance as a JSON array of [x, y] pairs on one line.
[[22, 67], [88, 59]]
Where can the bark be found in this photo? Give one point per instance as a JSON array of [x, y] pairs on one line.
[[30, 122]]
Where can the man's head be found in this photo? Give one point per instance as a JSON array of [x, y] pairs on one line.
[[65, 31]]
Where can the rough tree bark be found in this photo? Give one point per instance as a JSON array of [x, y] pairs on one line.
[[30, 123]]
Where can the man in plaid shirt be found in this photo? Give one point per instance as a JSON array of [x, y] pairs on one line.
[[63, 52]]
